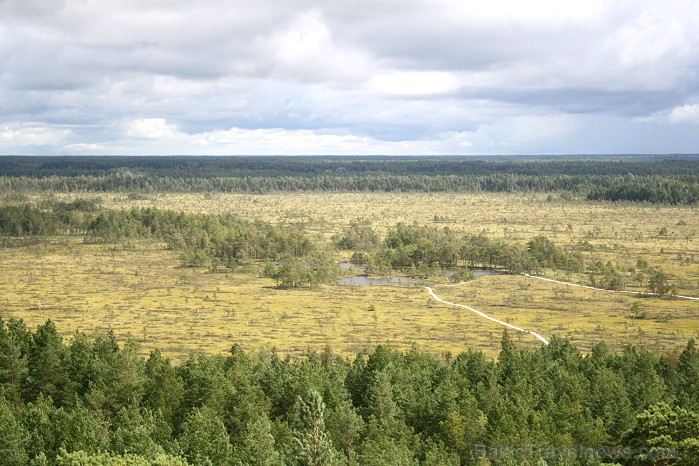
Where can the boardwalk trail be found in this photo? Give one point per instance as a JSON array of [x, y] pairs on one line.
[[486, 316], [609, 291]]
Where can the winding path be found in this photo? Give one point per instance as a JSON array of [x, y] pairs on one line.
[[610, 291], [486, 316], [544, 340]]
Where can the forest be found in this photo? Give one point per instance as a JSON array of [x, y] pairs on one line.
[[650, 179], [94, 402]]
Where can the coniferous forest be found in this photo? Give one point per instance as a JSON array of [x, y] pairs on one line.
[[94, 402], [672, 180]]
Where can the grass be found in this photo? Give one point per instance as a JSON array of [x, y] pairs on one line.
[[585, 316], [139, 290], [617, 232]]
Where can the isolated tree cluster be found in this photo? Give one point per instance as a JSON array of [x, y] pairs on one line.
[[422, 248]]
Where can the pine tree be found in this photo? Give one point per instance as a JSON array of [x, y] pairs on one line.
[[688, 376], [13, 437], [47, 373], [383, 446], [81, 429], [39, 418], [345, 426], [665, 435], [381, 401], [163, 389], [257, 446], [134, 432], [204, 438], [437, 455], [312, 444], [13, 365]]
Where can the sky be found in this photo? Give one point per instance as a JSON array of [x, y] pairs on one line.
[[349, 77]]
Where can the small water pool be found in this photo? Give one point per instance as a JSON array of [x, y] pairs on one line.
[[363, 280]]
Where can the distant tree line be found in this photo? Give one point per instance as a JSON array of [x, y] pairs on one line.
[[419, 250], [259, 166], [624, 179], [94, 402], [659, 192]]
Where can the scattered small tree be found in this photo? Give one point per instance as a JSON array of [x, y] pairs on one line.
[[637, 312], [659, 283], [462, 275]]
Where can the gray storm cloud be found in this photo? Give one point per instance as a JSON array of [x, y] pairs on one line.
[[348, 77]]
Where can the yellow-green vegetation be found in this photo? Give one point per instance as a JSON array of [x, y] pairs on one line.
[[140, 290], [665, 236], [583, 315]]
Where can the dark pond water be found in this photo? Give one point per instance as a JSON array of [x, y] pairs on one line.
[[484, 272], [362, 280], [385, 281]]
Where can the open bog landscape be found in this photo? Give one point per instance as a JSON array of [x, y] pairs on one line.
[[139, 288]]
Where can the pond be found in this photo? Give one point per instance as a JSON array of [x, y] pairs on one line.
[[363, 280], [478, 272], [384, 281]]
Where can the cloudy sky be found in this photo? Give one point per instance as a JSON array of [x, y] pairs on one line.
[[349, 76]]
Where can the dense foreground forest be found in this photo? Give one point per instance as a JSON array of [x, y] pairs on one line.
[[673, 180], [92, 402]]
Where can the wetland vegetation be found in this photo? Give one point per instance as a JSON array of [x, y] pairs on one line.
[[120, 275]]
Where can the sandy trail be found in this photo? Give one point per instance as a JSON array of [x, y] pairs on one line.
[[486, 316], [609, 291], [543, 340]]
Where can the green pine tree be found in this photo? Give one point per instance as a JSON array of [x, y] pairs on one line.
[[257, 446], [13, 437], [204, 438], [312, 444]]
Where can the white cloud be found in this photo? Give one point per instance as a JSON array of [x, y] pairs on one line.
[[414, 83], [688, 113], [516, 133], [521, 134], [549, 13], [306, 50], [304, 41], [31, 134], [685, 114], [85, 148], [151, 128], [159, 137], [530, 129]]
